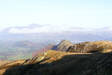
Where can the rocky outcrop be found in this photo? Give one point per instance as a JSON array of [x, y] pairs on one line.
[[63, 45]]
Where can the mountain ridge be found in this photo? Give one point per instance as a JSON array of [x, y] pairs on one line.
[[85, 47], [60, 62]]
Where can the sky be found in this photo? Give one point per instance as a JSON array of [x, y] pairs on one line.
[[56, 13]]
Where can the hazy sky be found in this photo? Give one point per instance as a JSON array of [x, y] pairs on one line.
[[72, 13]]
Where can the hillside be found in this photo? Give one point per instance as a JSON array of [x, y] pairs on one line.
[[61, 63]]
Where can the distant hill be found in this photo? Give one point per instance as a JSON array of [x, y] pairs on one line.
[[25, 44], [11, 50]]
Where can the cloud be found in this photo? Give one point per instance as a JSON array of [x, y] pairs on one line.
[[28, 30], [32, 28], [37, 28]]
